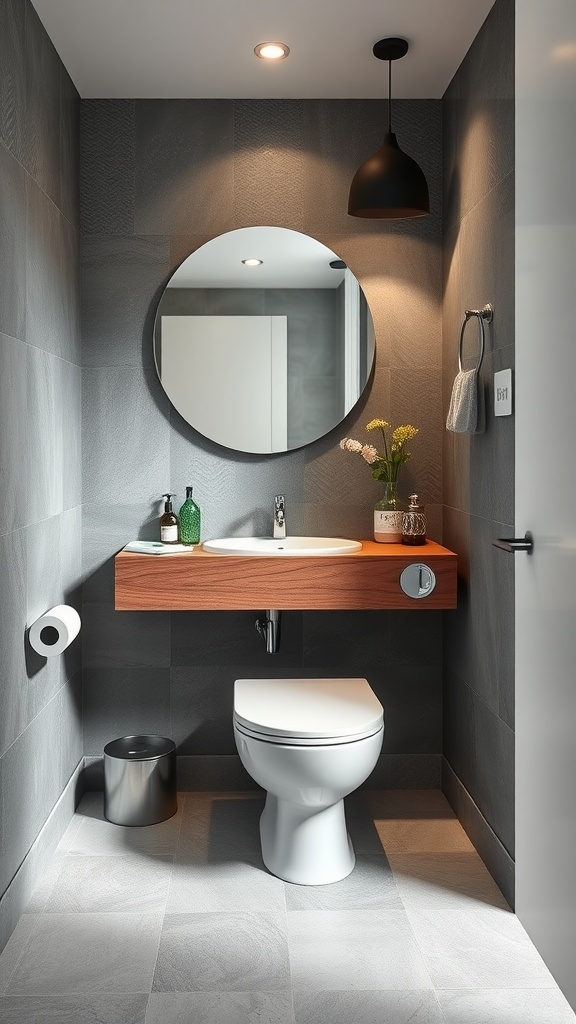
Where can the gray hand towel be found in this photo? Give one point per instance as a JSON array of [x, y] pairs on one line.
[[465, 415]]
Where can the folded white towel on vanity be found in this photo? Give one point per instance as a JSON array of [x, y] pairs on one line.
[[466, 412]]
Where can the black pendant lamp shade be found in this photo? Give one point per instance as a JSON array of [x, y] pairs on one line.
[[390, 183]]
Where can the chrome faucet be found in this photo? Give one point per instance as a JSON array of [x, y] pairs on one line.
[[279, 518]]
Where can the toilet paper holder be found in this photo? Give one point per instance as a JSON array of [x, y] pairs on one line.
[[50, 634]]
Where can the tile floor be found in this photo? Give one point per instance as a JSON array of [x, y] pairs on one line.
[[180, 923]]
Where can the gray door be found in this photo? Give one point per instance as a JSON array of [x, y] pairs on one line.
[[546, 481]]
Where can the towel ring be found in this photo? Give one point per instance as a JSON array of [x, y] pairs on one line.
[[484, 315]]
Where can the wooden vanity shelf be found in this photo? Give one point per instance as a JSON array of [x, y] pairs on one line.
[[200, 580]]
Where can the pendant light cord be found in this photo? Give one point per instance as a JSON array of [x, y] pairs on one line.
[[389, 97]]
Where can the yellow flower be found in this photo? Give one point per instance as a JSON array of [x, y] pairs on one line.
[[377, 424], [403, 434]]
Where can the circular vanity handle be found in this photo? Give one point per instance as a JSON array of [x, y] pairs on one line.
[[417, 580]]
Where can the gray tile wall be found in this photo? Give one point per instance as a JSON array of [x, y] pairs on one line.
[[40, 467], [158, 179], [478, 117]]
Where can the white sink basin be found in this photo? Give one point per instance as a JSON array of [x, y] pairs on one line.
[[288, 546]]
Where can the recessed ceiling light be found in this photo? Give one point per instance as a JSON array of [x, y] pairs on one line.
[[252, 263], [272, 51]]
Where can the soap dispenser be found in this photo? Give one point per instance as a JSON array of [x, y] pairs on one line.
[[189, 520], [414, 524], [169, 522]]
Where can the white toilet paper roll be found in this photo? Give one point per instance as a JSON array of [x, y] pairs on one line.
[[54, 631]]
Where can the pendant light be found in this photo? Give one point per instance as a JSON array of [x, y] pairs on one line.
[[390, 183]]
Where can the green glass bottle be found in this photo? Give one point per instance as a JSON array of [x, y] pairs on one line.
[[189, 516]]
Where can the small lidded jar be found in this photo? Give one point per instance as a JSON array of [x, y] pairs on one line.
[[414, 523]]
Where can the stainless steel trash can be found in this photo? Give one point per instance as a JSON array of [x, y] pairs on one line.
[[140, 780]]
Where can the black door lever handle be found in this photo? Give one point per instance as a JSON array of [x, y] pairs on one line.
[[514, 544]]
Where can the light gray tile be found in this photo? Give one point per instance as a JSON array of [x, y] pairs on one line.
[[223, 887], [12, 638], [512, 1006], [222, 953], [52, 278], [219, 1008], [448, 881], [110, 885], [70, 953], [14, 948], [195, 187], [410, 1007], [13, 509], [69, 710], [354, 950], [415, 835], [369, 886], [30, 783], [12, 241], [37, 901], [483, 947], [99, 837], [70, 1009], [125, 435], [127, 701], [220, 828]]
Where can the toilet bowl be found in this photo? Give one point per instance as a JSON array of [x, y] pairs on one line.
[[308, 743]]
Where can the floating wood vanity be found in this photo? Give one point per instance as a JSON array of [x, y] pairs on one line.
[[199, 580]]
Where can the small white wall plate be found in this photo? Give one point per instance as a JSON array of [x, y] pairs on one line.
[[503, 393]]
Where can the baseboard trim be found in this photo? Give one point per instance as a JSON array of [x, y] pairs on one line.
[[22, 885], [225, 772], [495, 856]]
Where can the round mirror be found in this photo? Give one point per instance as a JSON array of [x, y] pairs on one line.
[[263, 340]]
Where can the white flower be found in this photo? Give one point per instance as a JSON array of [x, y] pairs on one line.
[[350, 445], [369, 453]]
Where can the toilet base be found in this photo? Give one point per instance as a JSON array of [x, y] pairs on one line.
[[306, 845]]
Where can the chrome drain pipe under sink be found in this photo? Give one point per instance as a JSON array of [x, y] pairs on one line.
[[269, 629]]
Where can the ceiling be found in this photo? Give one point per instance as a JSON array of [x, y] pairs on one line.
[[185, 48]]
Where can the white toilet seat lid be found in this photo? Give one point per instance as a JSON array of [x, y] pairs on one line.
[[329, 710]]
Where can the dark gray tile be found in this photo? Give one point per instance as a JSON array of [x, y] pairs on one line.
[[69, 201], [52, 278], [125, 434], [479, 634], [412, 700], [126, 701], [42, 118], [479, 746], [229, 639], [12, 638], [201, 705], [13, 78], [96, 953], [112, 639], [107, 155], [13, 415], [353, 640], [12, 244], [30, 787], [213, 773], [184, 170], [74, 1009], [123, 279], [416, 638], [222, 952], [416, 399], [107, 528], [269, 159]]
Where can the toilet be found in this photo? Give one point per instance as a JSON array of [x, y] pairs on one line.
[[308, 743]]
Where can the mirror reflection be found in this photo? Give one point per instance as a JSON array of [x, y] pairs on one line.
[[263, 340]]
